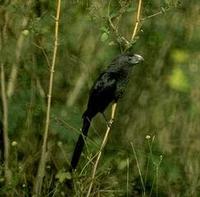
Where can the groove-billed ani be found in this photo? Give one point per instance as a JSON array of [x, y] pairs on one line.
[[108, 87]]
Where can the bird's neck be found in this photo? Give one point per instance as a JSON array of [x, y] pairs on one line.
[[124, 71]]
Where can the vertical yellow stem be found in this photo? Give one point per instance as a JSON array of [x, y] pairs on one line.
[[137, 20], [101, 148], [41, 167], [5, 126]]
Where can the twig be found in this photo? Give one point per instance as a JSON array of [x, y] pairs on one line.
[[44, 53], [153, 15], [120, 38], [41, 168], [18, 51], [101, 148], [138, 166], [163, 11], [127, 175], [5, 126], [137, 21]]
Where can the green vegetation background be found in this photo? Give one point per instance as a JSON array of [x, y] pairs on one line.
[[159, 113]]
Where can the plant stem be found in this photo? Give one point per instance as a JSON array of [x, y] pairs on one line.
[[41, 167], [127, 175], [5, 126], [138, 166], [18, 52], [101, 148], [137, 20]]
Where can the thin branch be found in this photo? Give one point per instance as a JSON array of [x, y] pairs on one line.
[[163, 11], [120, 38], [137, 20], [138, 167], [101, 148], [44, 53], [123, 42], [110, 20], [151, 16], [18, 51], [41, 167], [127, 177], [5, 126], [76, 130]]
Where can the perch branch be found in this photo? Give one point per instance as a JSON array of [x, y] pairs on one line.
[[101, 148]]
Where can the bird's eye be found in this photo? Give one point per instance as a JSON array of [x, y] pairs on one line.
[[129, 58]]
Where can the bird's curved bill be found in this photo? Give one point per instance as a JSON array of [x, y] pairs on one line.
[[136, 59], [139, 57]]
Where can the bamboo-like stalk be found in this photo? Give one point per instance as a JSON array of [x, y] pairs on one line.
[[137, 20], [101, 148], [41, 168], [5, 126], [115, 104]]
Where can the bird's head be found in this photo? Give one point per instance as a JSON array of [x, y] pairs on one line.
[[130, 59]]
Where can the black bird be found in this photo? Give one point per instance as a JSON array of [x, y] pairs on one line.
[[108, 87]]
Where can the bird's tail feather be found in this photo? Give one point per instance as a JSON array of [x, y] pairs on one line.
[[81, 141]]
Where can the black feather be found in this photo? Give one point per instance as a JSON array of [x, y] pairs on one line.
[[109, 87]]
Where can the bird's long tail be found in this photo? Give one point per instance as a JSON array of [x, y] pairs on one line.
[[81, 141]]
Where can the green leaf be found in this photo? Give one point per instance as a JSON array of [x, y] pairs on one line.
[[104, 29], [104, 37], [178, 80], [62, 176], [180, 56]]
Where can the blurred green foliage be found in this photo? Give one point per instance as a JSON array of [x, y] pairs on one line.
[[162, 98]]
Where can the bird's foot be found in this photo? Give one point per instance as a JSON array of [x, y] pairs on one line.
[[110, 122]]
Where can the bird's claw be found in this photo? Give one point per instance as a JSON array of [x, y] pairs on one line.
[[110, 122]]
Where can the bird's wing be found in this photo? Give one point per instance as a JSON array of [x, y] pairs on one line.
[[105, 83], [102, 94]]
